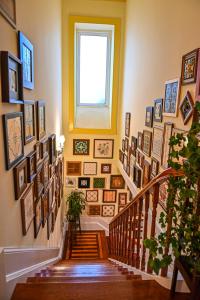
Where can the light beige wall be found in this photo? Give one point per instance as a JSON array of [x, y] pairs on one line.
[[158, 34], [41, 22]]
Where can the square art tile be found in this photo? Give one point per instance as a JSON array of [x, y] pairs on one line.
[[81, 147], [99, 183], [94, 210], [109, 196], [84, 182], [92, 196], [90, 168], [108, 210]]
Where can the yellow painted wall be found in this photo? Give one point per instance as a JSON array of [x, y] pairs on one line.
[[41, 22], [158, 33]]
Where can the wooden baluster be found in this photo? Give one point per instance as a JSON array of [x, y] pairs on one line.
[[154, 214], [126, 235], [130, 234], [138, 232], [147, 195], [120, 237], [168, 235], [117, 240], [111, 239], [114, 239], [134, 234]]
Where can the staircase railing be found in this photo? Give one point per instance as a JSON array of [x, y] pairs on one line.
[[136, 222]]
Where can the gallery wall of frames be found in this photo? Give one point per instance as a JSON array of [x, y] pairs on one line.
[[144, 156], [96, 175], [38, 176]]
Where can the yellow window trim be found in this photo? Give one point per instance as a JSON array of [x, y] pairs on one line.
[[111, 21]]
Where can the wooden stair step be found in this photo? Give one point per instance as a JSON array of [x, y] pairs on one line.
[[77, 279]]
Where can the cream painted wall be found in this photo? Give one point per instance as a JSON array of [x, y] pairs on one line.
[[158, 33], [41, 22]]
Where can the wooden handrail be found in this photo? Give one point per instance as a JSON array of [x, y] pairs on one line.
[[129, 228]]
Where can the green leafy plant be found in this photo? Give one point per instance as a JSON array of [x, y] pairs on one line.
[[182, 218], [76, 204]]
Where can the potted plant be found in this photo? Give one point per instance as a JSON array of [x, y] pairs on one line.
[[181, 223], [76, 204]]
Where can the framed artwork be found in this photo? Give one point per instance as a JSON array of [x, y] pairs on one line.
[[133, 145], [158, 110], [31, 166], [81, 147], [92, 196], [41, 119], [46, 172], [94, 210], [51, 193], [73, 168], [147, 140], [45, 207], [37, 149], [140, 140], [103, 148], [154, 167], [38, 217], [187, 108], [123, 145], [20, 178], [125, 162], [52, 148], [126, 144], [166, 148], [40, 181], [137, 176], [84, 182], [149, 116], [117, 182], [13, 138], [44, 146], [108, 210], [49, 225], [99, 182], [163, 195], [11, 78], [146, 173], [109, 196], [70, 182], [128, 167], [140, 158], [89, 168], [127, 124], [107, 168], [189, 67], [157, 145], [172, 90], [122, 199], [8, 11], [27, 209], [120, 208], [29, 121], [121, 156], [26, 54], [197, 94]]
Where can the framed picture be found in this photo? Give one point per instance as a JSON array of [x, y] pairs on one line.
[[70, 182], [149, 116], [89, 168], [163, 195], [166, 148], [133, 145], [197, 94], [81, 147], [38, 217], [189, 67], [31, 166], [123, 145], [103, 148], [140, 158], [84, 182], [128, 167], [187, 108], [117, 182], [94, 210], [147, 140], [45, 207], [39, 180], [29, 121], [120, 208], [146, 173], [20, 178], [13, 138], [11, 78], [49, 225], [109, 196], [73, 168], [46, 171], [154, 167], [44, 146], [107, 168], [121, 156], [172, 90], [140, 140], [158, 110], [37, 149], [92, 196], [41, 119], [127, 124], [52, 148], [99, 182], [8, 11], [157, 145], [27, 209], [122, 199], [137, 176], [108, 210], [126, 144], [26, 54], [125, 162]]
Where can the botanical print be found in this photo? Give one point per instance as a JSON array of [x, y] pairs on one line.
[[70, 182], [171, 97], [89, 168], [92, 196], [108, 210], [14, 129], [157, 148], [166, 147], [81, 147], [103, 148], [109, 196]]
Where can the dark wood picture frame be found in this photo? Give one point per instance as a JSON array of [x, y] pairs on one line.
[[126, 144], [146, 173], [94, 210], [186, 108], [154, 167], [20, 178], [9, 11], [171, 100], [113, 193], [168, 128], [137, 176], [95, 199], [37, 149], [39, 181], [147, 141], [84, 182], [149, 116], [12, 123], [89, 171], [52, 148], [157, 143], [29, 121], [188, 60], [158, 110], [106, 168], [45, 207], [117, 182], [11, 78], [46, 172], [73, 168], [122, 199], [26, 54], [27, 205], [123, 145], [31, 166], [102, 210], [41, 119], [103, 149], [44, 147], [84, 146], [127, 124], [140, 140], [38, 217], [99, 182], [133, 145]]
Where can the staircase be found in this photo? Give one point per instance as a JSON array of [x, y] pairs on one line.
[[85, 245]]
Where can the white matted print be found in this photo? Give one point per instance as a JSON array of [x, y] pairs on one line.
[[92, 195], [103, 148], [89, 168], [108, 210], [157, 146], [70, 182]]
